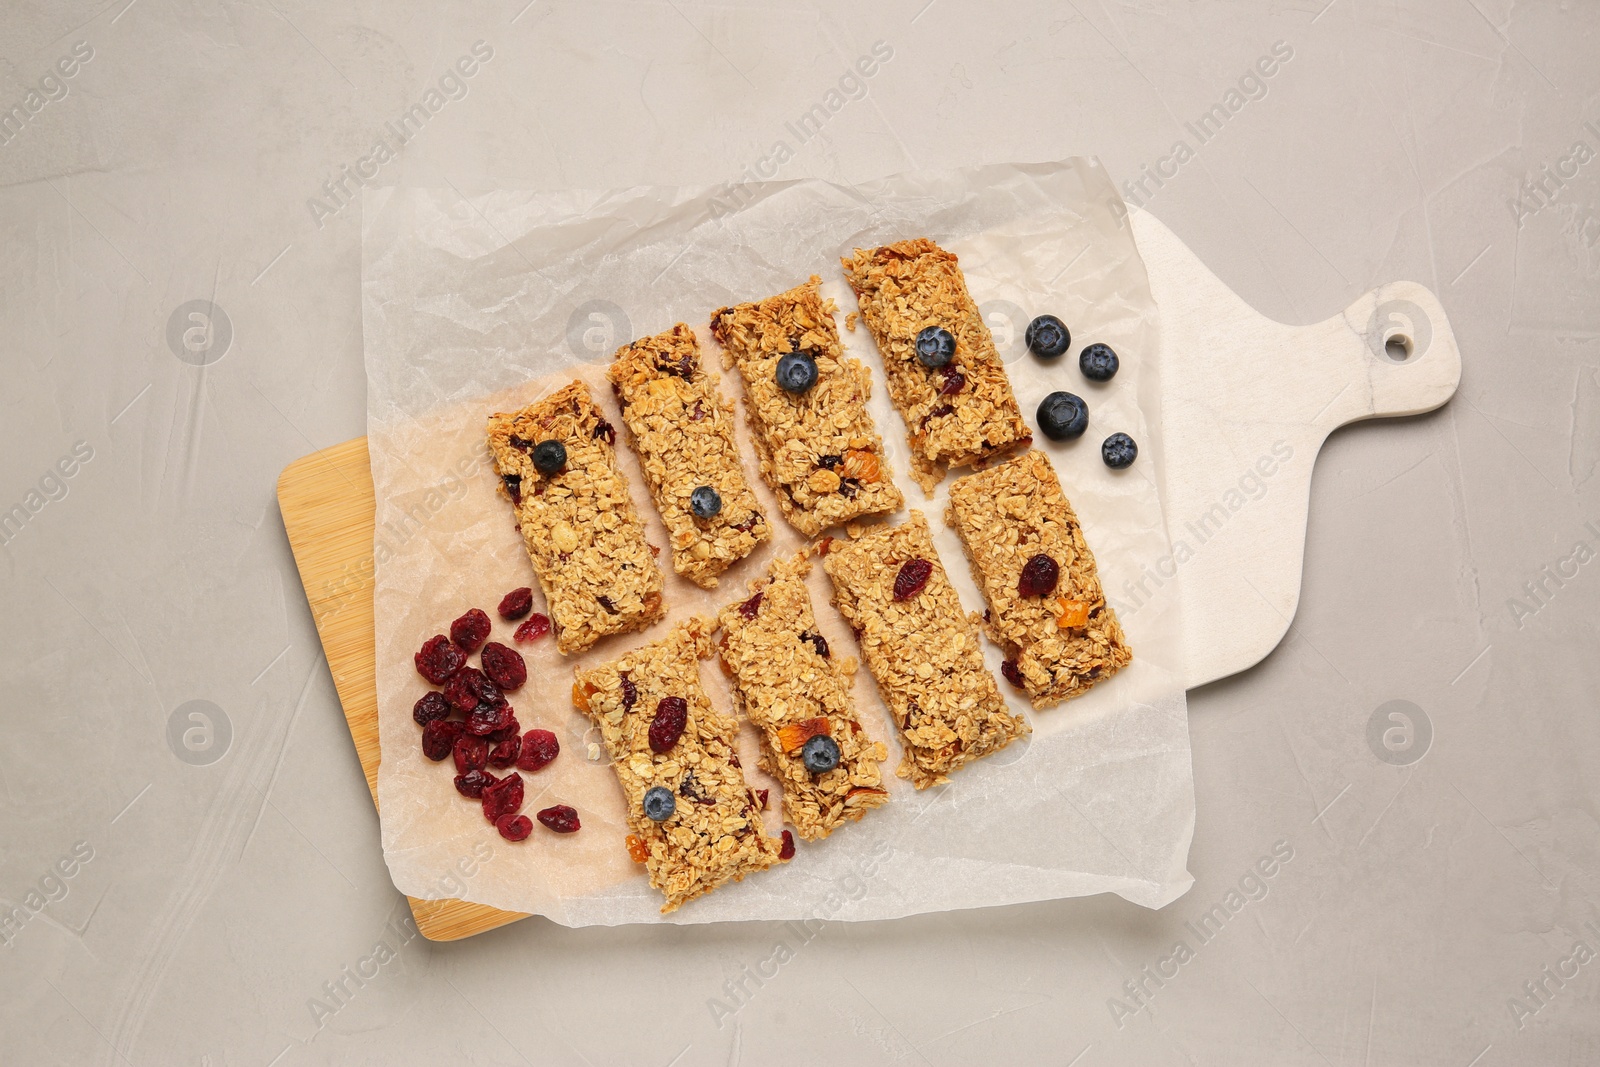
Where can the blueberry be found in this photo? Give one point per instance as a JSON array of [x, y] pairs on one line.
[[705, 502], [820, 754], [549, 456], [1098, 362], [659, 803], [1119, 451], [797, 372], [936, 346], [1047, 337], [1063, 416]]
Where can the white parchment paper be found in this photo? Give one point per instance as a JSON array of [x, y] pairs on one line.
[[472, 307]]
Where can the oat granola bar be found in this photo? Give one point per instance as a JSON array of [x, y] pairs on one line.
[[582, 532], [819, 450], [955, 415], [1011, 519], [682, 428], [922, 648], [714, 834], [787, 683]]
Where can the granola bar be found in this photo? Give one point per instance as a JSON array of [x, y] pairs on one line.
[[1019, 531], [955, 415], [582, 532], [787, 684], [922, 648], [682, 428], [819, 450], [714, 834]]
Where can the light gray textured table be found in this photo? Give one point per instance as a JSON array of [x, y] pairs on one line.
[[1437, 905]]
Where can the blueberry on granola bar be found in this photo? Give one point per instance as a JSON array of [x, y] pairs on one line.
[[797, 372], [659, 803], [549, 456], [936, 346], [820, 754], [705, 502]]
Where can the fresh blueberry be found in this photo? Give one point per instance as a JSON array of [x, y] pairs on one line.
[[820, 754], [1098, 362], [1047, 337], [1119, 451], [659, 803], [1063, 416], [549, 456], [936, 346], [705, 502], [797, 372]]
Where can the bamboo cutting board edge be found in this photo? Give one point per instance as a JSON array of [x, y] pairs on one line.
[[328, 511]]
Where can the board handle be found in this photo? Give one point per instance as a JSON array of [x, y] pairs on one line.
[[1397, 352]]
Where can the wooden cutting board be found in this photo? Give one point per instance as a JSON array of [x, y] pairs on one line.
[[1246, 404]]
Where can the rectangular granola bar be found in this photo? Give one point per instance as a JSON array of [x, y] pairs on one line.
[[787, 683], [1063, 641], [922, 648], [957, 414], [714, 834], [581, 529], [819, 450], [682, 428]]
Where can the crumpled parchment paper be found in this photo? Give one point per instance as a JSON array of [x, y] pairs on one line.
[[472, 307]]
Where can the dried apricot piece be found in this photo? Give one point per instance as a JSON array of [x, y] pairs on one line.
[[794, 736], [1073, 613], [637, 851]]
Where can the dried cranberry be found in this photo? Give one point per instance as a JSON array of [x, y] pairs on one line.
[[606, 430], [817, 642], [473, 783], [521, 444], [1013, 673], [938, 413], [561, 819], [505, 733], [504, 666], [431, 706], [698, 413], [536, 627], [504, 797], [439, 738], [747, 525], [760, 797], [439, 659], [954, 380], [913, 576], [471, 753], [513, 486], [749, 608], [539, 748], [690, 789], [849, 487], [487, 718], [672, 715], [505, 753], [787, 851], [630, 694], [607, 603], [514, 827], [1039, 576], [470, 630], [515, 604], [462, 692]]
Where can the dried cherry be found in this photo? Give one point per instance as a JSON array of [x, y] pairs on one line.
[[474, 782], [749, 608], [817, 641], [913, 576], [462, 691], [439, 660], [503, 797], [514, 827], [630, 694], [505, 666], [431, 706], [470, 630], [515, 604], [672, 715], [505, 753], [1013, 673], [470, 753], [560, 818], [536, 627], [787, 851], [1039, 576], [510, 729], [539, 748], [439, 738], [487, 718]]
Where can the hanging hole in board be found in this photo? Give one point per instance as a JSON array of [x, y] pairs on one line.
[[1397, 348]]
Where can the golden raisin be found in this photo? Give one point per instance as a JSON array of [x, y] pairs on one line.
[[861, 465]]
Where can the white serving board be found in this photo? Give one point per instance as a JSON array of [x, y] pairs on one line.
[[1235, 386]]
